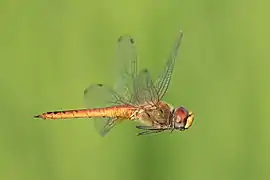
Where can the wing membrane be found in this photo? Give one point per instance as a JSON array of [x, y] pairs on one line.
[[145, 91], [98, 96], [127, 67], [163, 81]]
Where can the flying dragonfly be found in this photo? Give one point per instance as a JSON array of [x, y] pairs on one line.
[[135, 97]]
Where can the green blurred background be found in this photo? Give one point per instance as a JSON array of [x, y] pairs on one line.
[[50, 50]]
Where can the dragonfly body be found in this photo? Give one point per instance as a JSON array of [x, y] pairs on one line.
[[154, 115], [136, 97]]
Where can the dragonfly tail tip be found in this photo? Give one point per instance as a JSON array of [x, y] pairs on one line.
[[37, 116]]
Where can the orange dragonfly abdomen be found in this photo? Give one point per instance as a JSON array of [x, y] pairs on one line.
[[119, 112]]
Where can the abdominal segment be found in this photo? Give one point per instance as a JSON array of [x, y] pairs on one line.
[[123, 112]]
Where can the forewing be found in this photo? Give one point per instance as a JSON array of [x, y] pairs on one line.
[[126, 67], [163, 81], [98, 95], [145, 91]]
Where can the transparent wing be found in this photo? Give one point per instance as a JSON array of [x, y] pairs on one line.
[[126, 67], [136, 88], [98, 96], [145, 91], [163, 81]]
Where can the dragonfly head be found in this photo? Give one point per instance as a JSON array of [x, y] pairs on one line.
[[182, 118]]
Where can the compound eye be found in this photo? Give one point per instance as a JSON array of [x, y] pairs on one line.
[[181, 113]]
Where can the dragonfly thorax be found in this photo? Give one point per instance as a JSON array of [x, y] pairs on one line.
[[182, 118]]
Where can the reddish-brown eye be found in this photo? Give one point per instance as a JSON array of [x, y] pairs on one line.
[[182, 113]]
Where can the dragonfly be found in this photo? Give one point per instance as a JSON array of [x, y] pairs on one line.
[[134, 97]]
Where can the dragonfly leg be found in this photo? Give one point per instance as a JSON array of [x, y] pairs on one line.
[[144, 127], [151, 128], [150, 132]]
